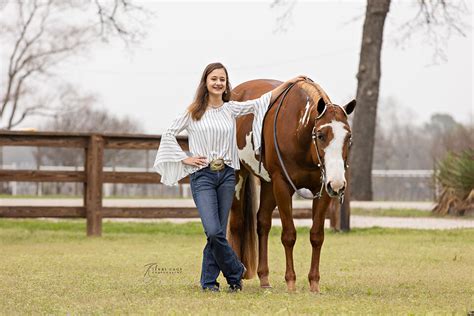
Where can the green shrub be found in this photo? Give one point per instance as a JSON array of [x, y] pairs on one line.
[[456, 177]]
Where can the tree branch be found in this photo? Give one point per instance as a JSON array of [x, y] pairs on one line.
[[437, 19], [11, 74], [43, 38], [34, 110], [18, 92]]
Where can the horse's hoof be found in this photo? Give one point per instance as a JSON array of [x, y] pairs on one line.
[[264, 283], [291, 285], [314, 287]]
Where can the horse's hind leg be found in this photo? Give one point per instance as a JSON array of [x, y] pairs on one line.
[[283, 195], [316, 236], [264, 224]]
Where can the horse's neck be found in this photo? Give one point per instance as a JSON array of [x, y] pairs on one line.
[[305, 125], [308, 114]]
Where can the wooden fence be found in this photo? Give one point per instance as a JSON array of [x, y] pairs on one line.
[[93, 178]]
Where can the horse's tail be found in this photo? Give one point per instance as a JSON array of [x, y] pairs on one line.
[[243, 225], [250, 239]]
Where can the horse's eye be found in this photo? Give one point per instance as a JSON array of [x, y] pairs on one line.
[[320, 136]]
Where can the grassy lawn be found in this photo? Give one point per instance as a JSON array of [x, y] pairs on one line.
[[52, 268]]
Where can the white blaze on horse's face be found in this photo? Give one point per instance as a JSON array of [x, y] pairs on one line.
[[333, 156]]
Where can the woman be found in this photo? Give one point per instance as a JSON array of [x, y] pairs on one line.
[[211, 127]]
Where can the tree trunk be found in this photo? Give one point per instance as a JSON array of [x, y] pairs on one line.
[[368, 78]]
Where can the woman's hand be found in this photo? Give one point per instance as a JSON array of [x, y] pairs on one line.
[[195, 161], [296, 79]]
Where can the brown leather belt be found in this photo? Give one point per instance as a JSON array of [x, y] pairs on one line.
[[217, 164]]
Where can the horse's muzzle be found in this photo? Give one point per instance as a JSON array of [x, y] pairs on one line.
[[331, 192]]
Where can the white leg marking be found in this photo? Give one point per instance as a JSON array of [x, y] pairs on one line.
[[238, 187], [246, 154], [333, 156]]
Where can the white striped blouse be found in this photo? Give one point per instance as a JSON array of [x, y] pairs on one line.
[[213, 136]]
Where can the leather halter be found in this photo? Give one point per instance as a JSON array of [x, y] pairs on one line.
[[320, 162], [313, 136]]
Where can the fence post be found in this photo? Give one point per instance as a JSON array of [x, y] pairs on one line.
[[93, 185]]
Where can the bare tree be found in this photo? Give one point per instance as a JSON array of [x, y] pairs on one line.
[[432, 15], [401, 143], [38, 35], [85, 117], [44, 33], [368, 78], [447, 136], [437, 21]]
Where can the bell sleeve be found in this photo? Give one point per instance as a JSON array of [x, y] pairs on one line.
[[168, 162], [258, 107]]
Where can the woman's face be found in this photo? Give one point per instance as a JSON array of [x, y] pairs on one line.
[[216, 82]]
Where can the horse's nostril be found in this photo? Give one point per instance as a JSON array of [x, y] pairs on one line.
[[329, 188], [336, 188]]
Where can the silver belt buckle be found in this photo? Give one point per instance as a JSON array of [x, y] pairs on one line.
[[217, 164]]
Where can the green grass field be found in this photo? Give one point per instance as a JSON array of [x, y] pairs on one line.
[[52, 268]]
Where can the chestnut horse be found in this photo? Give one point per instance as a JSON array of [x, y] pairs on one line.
[[313, 139]]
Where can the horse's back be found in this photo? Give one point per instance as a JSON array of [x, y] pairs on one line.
[[253, 89]]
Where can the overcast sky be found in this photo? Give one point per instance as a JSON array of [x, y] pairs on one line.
[[158, 79]]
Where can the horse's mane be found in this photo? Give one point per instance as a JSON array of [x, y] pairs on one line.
[[314, 91]]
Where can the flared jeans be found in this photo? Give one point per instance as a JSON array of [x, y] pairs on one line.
[[213, 192]]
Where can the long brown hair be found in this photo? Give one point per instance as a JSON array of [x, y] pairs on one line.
[[199, 105]]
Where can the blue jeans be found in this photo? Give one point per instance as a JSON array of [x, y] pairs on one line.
[[213, 192]]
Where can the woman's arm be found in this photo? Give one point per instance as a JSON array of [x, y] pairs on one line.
[[170, 155], [239, 108], [279, 90]]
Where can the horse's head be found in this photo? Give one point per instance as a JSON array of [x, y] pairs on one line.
[[331, 136]]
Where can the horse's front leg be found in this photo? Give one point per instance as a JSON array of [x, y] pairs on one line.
[[317, 238], [283, 195], [264, 224]]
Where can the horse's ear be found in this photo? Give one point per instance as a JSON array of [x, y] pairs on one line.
[[349, 107], [321, 106]]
